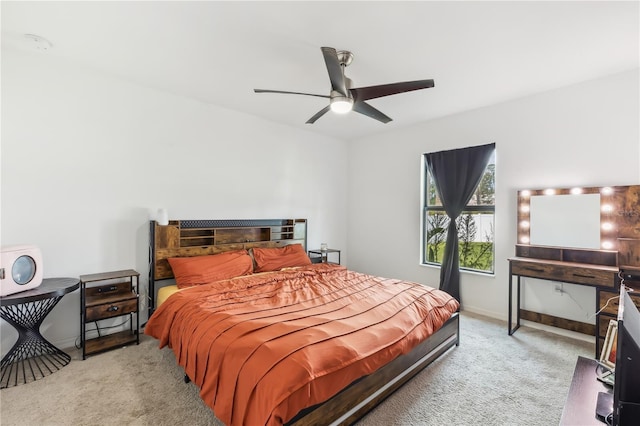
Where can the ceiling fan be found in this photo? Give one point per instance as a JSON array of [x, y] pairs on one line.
[[343, 98]]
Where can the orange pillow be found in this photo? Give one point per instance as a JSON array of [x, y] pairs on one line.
[[191, 271], [276, 258]]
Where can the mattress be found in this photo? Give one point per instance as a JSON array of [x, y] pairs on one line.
[[165, 292]]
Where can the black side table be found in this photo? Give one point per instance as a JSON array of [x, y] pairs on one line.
[[322, 256], [33, 357]]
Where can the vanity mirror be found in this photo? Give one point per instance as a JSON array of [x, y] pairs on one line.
[[590, 218]]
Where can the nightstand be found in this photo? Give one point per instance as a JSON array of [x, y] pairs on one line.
[[108, 295], [322, 256]]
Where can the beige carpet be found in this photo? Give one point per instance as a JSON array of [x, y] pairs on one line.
[[491, 378]]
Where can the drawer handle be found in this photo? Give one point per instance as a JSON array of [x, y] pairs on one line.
[[529, 268], [107, 289], [583, 276], [112, 308]]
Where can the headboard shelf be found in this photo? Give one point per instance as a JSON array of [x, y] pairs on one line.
[[187, 238], [192, 233]]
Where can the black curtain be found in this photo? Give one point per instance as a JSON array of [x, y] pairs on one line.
[[456, 173]]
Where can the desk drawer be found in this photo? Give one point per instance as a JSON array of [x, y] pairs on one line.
[[565, 273], [109, 310], [535, 270], [612, 307], [589, 276]]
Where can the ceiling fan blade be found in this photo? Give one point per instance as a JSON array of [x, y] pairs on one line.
[[335, 70], [319, 114], [366, 109], [372, 92], [289, 93]]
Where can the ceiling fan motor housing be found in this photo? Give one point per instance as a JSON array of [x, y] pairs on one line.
[[344, 57]]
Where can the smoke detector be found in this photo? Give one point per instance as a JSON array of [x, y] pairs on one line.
[[38, 43]]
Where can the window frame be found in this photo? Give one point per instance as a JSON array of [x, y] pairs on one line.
[[427, 180]]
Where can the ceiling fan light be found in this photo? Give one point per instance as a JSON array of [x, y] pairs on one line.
[[341, 104]]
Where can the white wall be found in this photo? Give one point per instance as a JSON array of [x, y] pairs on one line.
[[102, 153], [586, 134], [86, 157]]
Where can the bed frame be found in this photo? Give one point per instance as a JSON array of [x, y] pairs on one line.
[[184, 238], [352, 403]]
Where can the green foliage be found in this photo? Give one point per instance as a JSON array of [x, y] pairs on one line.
[[466, 235], [481, 252], [485, 193], [473, 254]]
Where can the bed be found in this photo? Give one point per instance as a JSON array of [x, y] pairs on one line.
[[271, 338]]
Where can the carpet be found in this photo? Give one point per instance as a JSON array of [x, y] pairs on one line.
[[491, 378]]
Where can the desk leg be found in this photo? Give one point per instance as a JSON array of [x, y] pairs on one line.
[[518, 306], [513, 330], [510, 300], [32, 357]]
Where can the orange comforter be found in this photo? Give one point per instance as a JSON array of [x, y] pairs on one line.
[[263, 347]]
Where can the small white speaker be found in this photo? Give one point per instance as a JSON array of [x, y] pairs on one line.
[[20, 269], [163, 217]]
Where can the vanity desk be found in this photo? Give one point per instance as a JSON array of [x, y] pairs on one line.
[[586, 236], [595, 268]]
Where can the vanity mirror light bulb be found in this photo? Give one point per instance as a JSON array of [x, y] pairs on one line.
[[607, 245], [607, 190], [576, 191], [607, 208], [607, 226], [524, 208], [550, 191], [524, 240], [524, 224], [525, 193]]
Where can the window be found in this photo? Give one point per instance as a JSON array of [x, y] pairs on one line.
[[475, 224]]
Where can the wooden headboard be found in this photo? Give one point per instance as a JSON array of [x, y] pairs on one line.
[[186, 238]]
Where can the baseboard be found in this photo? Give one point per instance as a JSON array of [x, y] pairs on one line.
[[68, 343], [483, 312], [537, 326]]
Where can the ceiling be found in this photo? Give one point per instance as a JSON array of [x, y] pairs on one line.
[[478, 53]]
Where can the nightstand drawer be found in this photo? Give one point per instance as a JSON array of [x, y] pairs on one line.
[[109, 310], [102, 291]]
